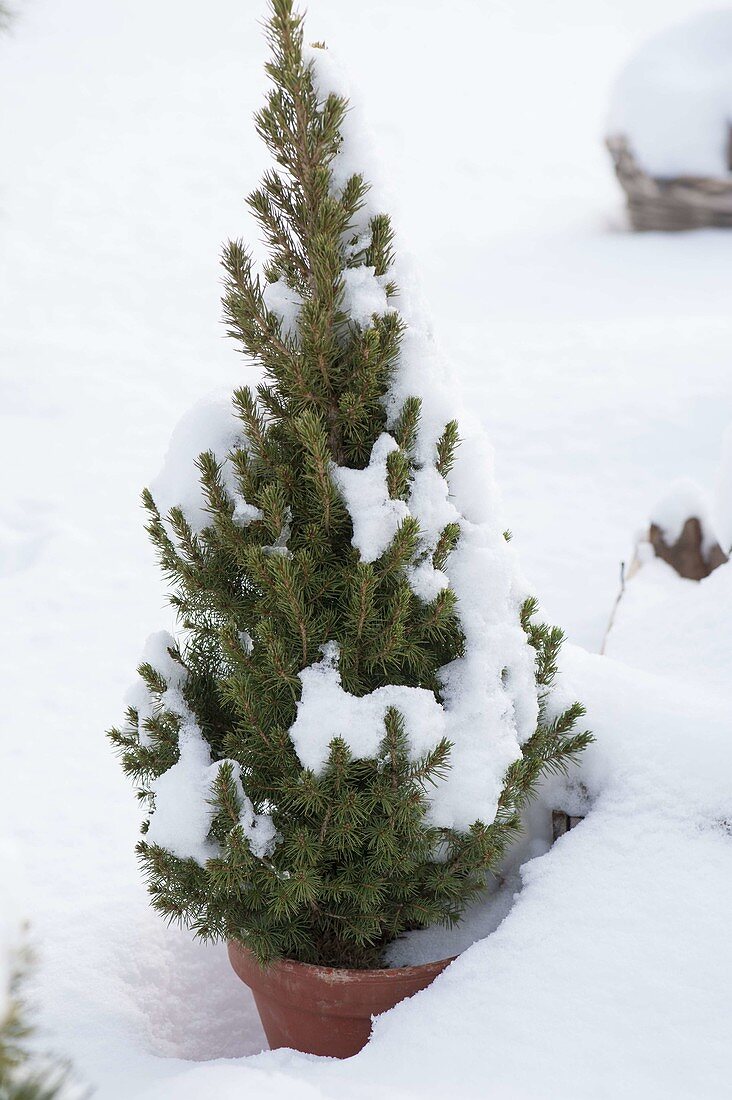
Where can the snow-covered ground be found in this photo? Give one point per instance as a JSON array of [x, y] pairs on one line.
[[599, 363]]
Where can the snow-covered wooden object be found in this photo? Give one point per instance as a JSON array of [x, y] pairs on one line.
[[688, 555], [667, 205]]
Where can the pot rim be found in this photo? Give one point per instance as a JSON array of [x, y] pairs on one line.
[[377, 971]]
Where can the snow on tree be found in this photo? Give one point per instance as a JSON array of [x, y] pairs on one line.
[[337, 746]]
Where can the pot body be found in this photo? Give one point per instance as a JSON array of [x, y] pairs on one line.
[[322, 1009]]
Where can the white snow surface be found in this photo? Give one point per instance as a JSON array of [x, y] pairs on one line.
[[598, 363], [722, 507], [658, 605], [673, 99], [426, 581]]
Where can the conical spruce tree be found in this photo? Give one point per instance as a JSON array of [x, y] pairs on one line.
[[319, 852]]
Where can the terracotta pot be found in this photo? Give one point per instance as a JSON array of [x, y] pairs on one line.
[[323, 1009]]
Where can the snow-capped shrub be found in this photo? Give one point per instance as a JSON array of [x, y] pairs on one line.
[[336, 747]]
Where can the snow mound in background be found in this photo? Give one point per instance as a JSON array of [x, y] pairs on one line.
[[676, 627], [673, 100], [683, 500]]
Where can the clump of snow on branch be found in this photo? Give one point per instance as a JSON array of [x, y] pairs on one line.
[[426, 581], [429, 502], [364, 294], [181, 818], [156, 653], [245, 513], [326, 711], [683, 500], [210, 425], [489, 695], [259, 829], [673, 100], [285, 302], [375, 515]]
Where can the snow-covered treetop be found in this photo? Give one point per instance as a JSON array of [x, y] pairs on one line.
[[673, 99]]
